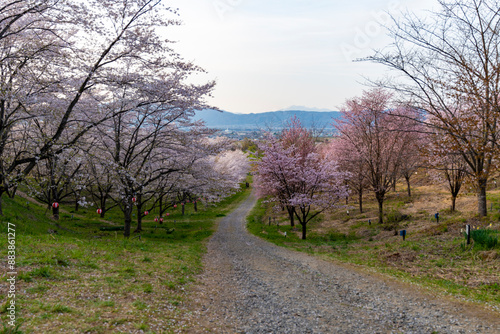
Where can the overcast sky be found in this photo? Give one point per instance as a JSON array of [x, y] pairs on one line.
[[268, 55]]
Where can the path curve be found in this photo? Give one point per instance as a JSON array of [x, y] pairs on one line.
[[252, 286]]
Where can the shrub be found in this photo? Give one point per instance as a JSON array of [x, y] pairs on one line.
[[394, 217], [484, 238]]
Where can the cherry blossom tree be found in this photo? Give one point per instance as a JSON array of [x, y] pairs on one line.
[[62, 59], [305, 181], [379, 136], [57, 178], [447, 67], [102, 184], [412, 143], [349, 160], [29, 52], [146, 145], [214, 177]]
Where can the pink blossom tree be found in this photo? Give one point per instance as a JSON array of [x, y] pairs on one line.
[[304, 181], [62, 60], [378, 135], [349, 160], [414, 139], [57, 178]]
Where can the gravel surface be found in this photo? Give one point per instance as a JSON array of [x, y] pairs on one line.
[[252, 286]]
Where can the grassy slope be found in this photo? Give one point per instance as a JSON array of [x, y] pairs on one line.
[[434, 255], [81, 279]]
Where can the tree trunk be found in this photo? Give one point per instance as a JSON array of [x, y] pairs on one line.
[[195, 206], [380, 200], [360, 198], [12, 193], [183, 209], [481, 198], [139, 214], [77, 205], [103, 205], [139, 219], [128, 220], [55, 213], [408, 185], [290, 210], [161, 205], [1, 210], [453, 201], [55, 210], [303, 231]]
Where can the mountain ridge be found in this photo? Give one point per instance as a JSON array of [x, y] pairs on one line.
[[266, 120]]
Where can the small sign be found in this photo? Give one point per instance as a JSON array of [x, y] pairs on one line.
[[403, 234]]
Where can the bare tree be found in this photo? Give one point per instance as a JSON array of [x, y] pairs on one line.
[[377, 134], [448, 68]]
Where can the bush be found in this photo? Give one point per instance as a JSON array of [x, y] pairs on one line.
[[394, 217], [392, 220], [484, 238]]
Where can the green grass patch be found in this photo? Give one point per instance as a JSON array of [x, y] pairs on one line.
[[90, 278], [485, 239]]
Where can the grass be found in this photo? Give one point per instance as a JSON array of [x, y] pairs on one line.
[[434, 254], [73, 277]]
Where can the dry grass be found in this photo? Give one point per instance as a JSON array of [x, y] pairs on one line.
[[434, 254]]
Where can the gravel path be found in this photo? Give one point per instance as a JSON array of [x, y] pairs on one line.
[[252, 286]]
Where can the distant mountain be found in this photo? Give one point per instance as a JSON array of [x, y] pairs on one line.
[[304, 108], [266, 120]]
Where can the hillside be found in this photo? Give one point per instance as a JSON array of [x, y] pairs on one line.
[[267, 120], [434, 254], [79, 275]]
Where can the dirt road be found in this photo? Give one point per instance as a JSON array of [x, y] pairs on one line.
[[252, 286]]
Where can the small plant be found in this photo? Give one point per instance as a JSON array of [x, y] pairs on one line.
[[148, 288], [107, 303], [38, 289], [393, 218], [140, 305], [484, 238], [43, 272], [11, 329], [61, 262], [58, 308]]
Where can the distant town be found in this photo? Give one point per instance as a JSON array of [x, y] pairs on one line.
[[255, 125]]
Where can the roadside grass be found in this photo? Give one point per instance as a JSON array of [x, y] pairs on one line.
[[433, 255], [73, 277]]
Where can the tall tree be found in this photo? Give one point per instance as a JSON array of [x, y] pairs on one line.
[[448, 68], [30, 49], [350, 160], [303, 180], [64, 60], [377, 134], [446, 166]]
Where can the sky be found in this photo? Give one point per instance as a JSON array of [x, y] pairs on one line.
[[268, 55]]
